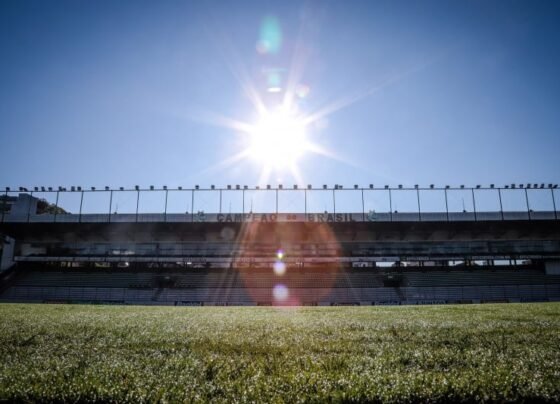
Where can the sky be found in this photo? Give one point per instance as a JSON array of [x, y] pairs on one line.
[[97, 93]]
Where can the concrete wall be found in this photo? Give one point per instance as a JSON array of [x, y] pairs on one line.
[[7, 253]]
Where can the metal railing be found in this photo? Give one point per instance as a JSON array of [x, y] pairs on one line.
[[237, 203]]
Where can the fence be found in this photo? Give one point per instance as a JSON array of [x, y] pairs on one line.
[[237, 203]]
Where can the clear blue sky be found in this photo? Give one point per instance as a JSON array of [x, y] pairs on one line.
[[123, 93]]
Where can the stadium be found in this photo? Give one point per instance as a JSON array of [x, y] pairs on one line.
[[98, 266], [377, 220], [363, 253]]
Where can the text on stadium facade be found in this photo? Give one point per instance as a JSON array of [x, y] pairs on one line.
[[282, 217]]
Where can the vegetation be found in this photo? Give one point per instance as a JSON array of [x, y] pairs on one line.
[[465, 353], [43, 206]]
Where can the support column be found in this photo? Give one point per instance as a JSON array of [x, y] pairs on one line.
[[390, 205], [419, 208], [554, 204], [446, 204], [528, 206], [165, 208], [363, 207], [110, 205], [81, 205], [501, 206], [474, 204], [192, 205], [137, 203]]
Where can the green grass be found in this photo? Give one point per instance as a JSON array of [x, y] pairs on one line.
[[507, 352]]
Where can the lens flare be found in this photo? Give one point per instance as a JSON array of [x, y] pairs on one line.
[[274, 79], [278, 139], [279, 268], [280, 254], [262, 47], [270, 40], [302, 90], [291, 282], [280, 293]]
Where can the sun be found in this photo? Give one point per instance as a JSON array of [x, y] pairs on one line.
[[278, 139]]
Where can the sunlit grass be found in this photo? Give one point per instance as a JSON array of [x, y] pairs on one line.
[[118, 353]]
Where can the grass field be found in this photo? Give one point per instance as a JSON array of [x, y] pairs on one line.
[[507, 352]]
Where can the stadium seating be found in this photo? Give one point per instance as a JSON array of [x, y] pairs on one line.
[[323, 286]]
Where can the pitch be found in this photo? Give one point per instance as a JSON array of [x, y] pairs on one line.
[[365, 354]]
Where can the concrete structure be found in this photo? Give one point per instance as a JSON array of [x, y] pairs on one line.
[[280, 258]]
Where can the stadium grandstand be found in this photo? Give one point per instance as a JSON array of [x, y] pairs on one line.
[[281, 246]]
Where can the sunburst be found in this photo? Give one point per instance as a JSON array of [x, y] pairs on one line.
[[281, 135], [278, 139]]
